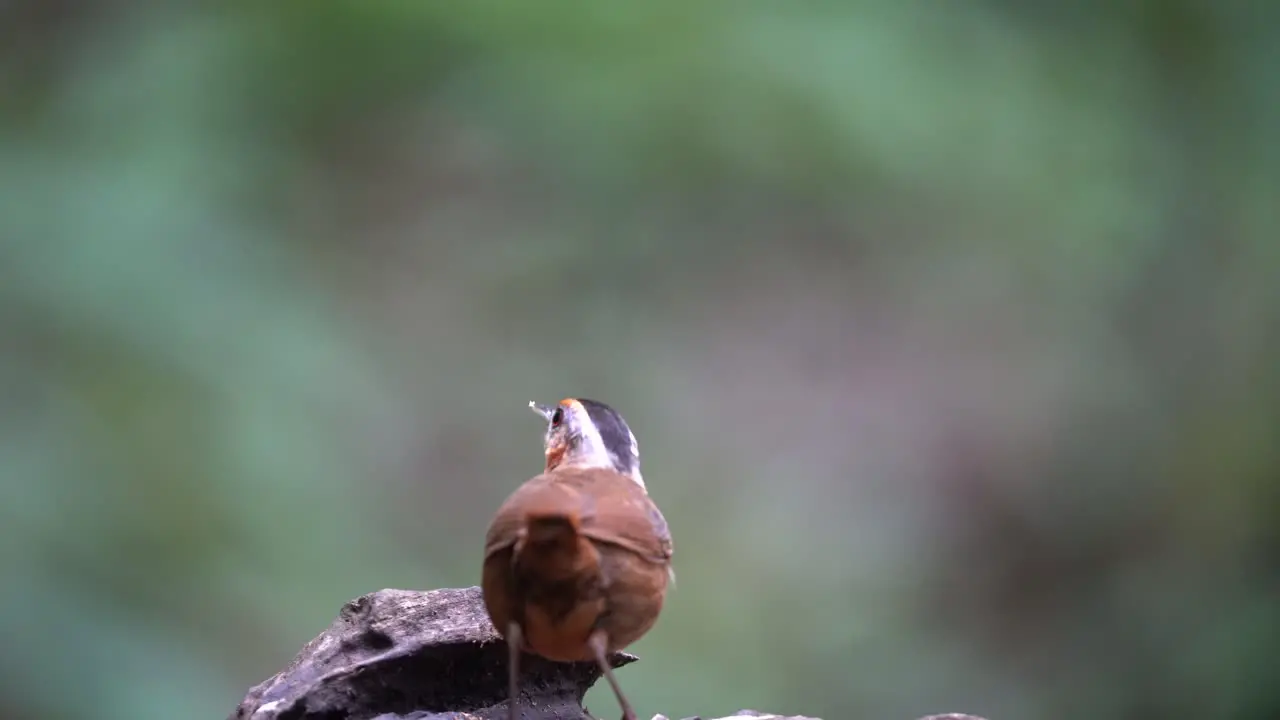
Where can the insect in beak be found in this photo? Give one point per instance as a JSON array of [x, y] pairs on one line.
[[542, 410]]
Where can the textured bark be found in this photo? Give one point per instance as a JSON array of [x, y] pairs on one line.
[[434, 655], [407, 654]]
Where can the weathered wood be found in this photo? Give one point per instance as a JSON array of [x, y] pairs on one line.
[[748, 715], [433, 655], [409, 654]]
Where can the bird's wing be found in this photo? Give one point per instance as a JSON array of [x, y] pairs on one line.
[[622, 514]]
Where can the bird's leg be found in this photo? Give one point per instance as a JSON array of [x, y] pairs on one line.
[[599, 642], [513, 667]]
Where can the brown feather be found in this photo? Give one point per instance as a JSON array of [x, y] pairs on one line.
[[574, 549]]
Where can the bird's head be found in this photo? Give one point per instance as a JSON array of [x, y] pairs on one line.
[[589, 434]]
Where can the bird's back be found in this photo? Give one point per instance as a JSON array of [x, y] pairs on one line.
[[570, 547]]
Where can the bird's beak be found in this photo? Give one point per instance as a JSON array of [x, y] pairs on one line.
[[542, 410]]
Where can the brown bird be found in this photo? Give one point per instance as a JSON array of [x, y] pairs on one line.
[[578, 559]]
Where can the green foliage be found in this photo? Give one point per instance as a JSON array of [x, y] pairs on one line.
[[947, 330]]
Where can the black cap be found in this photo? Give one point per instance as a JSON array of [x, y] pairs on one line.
[[615, 434]]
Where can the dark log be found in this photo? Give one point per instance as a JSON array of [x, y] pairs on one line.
[[408, 654], [434, 655]]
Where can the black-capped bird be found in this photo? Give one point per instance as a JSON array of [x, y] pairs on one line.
[[578, 559]]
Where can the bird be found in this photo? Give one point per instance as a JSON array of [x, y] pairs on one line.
[[578, 559]]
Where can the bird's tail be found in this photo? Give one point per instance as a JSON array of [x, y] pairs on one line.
[[552, 545], [549, 527]]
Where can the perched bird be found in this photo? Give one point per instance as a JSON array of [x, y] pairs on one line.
[[578, 559]]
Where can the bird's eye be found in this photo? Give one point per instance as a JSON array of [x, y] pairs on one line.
[[557, 417]]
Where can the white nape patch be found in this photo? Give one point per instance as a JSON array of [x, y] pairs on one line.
[[635, 461], [589, 449]]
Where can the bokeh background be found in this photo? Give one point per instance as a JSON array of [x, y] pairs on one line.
[[950, 333]]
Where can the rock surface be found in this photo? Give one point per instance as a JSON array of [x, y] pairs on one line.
[[434, 655]]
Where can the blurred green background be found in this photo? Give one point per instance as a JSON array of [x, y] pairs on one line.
[[950, 333]]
